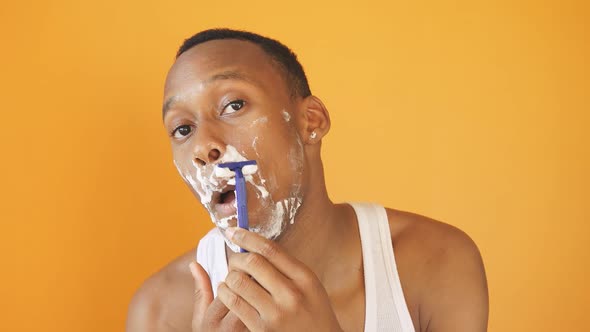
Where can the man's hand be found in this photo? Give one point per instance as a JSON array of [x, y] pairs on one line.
[[269, 290], [210, 314]]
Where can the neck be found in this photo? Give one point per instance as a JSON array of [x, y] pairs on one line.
[[315, 230], [321, 226]]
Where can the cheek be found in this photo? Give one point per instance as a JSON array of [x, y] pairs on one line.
[[284, 164], [185, 172], [181, 161], [184, 166]]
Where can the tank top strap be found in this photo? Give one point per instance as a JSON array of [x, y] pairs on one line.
[[211, 255], [385, 305]]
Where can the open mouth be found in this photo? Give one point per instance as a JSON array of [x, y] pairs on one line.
[[224, 202]]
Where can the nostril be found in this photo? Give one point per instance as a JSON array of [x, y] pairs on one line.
[[200, 162], [214, 154]]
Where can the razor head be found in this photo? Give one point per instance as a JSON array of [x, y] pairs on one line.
[[237, 164]]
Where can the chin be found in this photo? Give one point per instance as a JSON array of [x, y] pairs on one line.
[[271, 230]]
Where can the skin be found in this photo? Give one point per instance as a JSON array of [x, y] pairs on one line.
[[284, 284], [211, 104]]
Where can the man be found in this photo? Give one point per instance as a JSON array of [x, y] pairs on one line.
[[311, 265]]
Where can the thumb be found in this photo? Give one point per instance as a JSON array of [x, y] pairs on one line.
[[203, 292]]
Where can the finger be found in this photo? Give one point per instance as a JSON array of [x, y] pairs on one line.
[[285, 263], [263, 272], [217, 310], [203, 292], [238, 306], [248, 289], [231, 322]]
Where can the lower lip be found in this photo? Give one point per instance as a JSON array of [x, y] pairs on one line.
[[226, 209]]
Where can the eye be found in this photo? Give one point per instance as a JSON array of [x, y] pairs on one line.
[[233, 106], [181, 131]]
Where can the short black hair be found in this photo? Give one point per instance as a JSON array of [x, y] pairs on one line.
[[281, 55]]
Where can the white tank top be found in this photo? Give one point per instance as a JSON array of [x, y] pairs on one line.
[[385, 306]]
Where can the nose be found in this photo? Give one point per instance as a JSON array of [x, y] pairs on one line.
[[207, 149]]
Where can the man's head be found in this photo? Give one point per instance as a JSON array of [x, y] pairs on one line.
[[285, 60], [234, 95]]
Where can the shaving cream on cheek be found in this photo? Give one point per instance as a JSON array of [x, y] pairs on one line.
[[258, 121], [268, 216], [277, 213], [286, 116], [285, 210]]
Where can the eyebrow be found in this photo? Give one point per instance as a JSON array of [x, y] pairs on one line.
[[225, 75]]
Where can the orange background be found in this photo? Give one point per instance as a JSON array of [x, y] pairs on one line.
[[476, 114]]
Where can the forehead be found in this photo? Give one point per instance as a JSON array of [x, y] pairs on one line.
[[203, 61]]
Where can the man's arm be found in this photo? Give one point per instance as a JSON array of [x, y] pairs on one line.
[[164, 303], [442, 274], [456, 297], [142, 308]]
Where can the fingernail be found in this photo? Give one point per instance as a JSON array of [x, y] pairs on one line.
[[193, 267], [230, 231]]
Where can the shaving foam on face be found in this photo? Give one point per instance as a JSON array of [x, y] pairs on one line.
[[222, 172], [258, 121], [269, 218], [286, 116]]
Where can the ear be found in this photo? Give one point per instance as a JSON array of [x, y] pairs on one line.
[[315, 120]]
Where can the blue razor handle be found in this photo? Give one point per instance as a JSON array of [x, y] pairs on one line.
[[241, 199]]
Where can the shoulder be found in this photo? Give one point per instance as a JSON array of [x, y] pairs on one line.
[[442, 270], [429, 236], [164, 300]]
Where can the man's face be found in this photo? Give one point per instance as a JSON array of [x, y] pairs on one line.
[[225, 101]]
